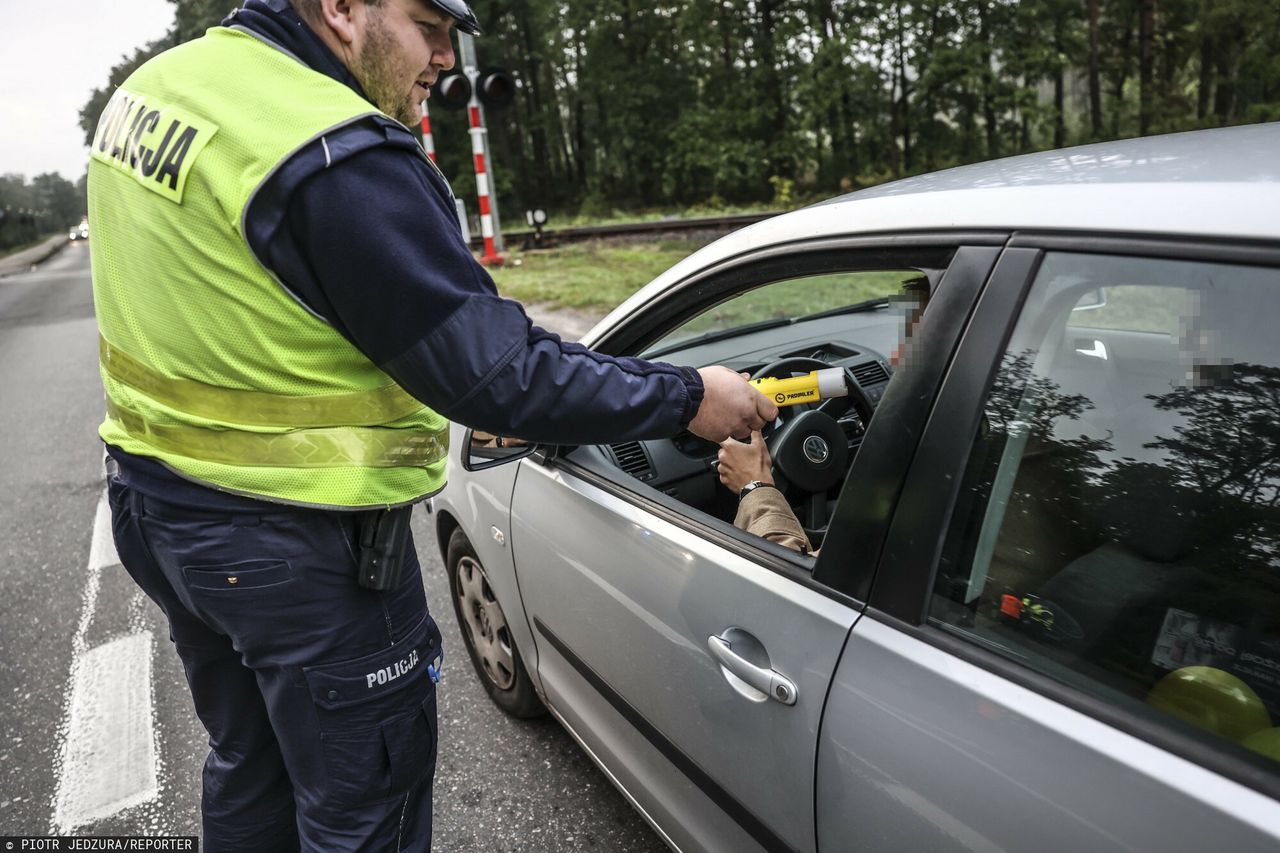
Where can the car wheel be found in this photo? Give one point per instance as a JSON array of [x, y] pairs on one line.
[[486, 633]]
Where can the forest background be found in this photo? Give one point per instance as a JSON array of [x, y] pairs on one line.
[[687, 106]]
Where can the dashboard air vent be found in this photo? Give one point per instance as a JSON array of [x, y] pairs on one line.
[[632, 458], [871, 373]]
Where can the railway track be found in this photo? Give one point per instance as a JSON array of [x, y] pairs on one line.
[[553, 236]]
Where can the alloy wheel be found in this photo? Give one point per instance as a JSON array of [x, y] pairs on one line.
[[485, 623]]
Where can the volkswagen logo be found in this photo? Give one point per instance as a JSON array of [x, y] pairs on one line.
[[816, 450]]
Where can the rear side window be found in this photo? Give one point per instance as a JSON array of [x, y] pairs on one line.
[[1119, 525], [1131, 308]]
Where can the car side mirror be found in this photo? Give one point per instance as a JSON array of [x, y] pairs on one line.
[[486, 450]]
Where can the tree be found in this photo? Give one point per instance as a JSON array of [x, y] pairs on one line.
[[191, 19], [31, 210], [1095, 72], [1146, 62], [626, 104], [59, 197]]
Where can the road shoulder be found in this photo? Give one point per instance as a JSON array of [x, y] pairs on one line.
[[37, 254]]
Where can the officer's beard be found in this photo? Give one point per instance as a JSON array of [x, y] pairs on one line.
[[376, 71]]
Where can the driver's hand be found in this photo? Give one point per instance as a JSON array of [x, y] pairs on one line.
[[730, 406], [740, 463]]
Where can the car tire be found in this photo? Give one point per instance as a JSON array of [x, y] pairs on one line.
[[486, 633]]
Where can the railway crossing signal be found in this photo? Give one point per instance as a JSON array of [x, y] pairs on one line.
[[494, 87], [474, 90], [452, 90]]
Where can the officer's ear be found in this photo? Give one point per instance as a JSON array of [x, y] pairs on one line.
[[344, 19]]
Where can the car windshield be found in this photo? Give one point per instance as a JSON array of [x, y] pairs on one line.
[[789, 301]]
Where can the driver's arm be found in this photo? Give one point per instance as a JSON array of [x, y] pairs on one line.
[[763, 511]]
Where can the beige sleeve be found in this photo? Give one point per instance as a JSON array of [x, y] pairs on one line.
[[764, 512]]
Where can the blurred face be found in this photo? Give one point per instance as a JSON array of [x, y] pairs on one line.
[[912, 304], [402, 46]]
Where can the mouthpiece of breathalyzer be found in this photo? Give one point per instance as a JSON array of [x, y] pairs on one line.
[[815, 386]]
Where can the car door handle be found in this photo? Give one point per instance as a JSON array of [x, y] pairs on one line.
[[770, 682], [1097, 350]]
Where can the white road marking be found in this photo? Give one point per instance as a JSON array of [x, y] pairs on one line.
[[102, 553], [110, 759], [108, 755], [102, 550]]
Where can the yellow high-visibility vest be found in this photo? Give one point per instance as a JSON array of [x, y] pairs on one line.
[[208, 363]]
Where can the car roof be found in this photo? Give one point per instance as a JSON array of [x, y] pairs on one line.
[[1222, 183]]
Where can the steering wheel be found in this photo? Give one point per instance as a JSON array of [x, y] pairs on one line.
[[810, 451]]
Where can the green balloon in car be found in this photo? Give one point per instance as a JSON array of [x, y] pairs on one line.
[[1212, 699]]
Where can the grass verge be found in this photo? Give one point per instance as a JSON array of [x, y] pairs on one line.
[[595, 276]]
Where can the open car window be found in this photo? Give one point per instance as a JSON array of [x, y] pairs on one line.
[[851, 320]]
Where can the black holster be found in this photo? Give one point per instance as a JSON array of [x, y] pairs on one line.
[[383, 536]]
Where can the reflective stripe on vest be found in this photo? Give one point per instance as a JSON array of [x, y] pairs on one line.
[[366, 447], [257, 408]]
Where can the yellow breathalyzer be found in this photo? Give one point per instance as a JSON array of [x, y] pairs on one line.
[[810, 388]]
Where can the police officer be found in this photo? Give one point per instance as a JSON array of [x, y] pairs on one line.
[[288, 316]]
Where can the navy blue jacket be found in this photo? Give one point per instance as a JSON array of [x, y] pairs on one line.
[[363, 231]]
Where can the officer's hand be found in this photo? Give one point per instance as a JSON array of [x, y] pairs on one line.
[[740, 463], [730, 406]]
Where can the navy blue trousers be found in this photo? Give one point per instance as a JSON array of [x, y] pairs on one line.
[[315, 691]]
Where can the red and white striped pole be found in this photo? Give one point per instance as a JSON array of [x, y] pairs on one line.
[[427, 142], [475, 119], [490, 255]]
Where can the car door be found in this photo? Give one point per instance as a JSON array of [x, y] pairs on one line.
[[651, 617], [1073, 641]]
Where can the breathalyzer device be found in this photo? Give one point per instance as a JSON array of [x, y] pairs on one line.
[[815, 386]]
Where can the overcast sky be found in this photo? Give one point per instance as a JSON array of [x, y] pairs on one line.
[[53, 54]]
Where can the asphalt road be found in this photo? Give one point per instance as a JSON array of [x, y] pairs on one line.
[[97, 733]]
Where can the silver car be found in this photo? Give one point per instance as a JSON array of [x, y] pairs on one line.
[[1046, 610]]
